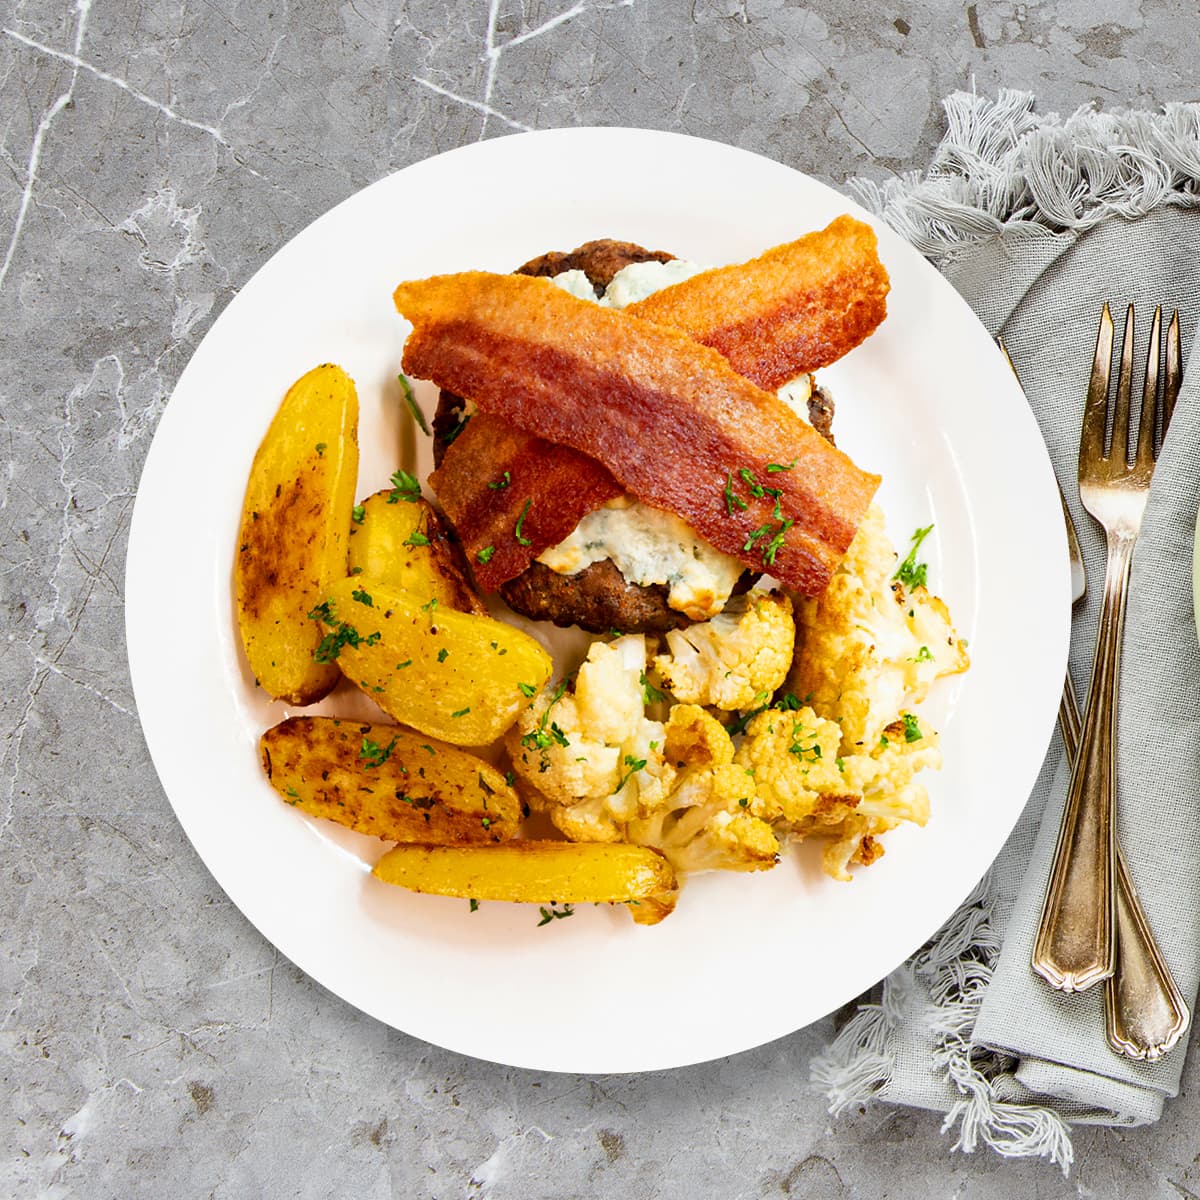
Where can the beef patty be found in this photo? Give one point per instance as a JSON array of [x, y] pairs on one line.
[[598, 598]]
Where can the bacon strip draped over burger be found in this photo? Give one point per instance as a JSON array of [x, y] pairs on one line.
[[493, 473], [670, 419], [794, 309]]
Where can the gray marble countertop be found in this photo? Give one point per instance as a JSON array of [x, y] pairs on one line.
[[155, 155]]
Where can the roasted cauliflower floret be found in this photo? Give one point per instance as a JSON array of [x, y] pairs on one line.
[[734, 659], [706, 822], [868, 647], [793, 756], [591, 756], [805, 788]]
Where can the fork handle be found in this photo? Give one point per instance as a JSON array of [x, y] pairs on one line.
[[1075, 945], [1145, 1013]]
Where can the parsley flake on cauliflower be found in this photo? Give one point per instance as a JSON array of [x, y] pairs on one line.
[[733, 659]]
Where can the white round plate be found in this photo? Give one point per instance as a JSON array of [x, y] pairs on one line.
[[926, 401]]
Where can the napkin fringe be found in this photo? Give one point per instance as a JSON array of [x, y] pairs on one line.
[[1002, 168], [954, 969]]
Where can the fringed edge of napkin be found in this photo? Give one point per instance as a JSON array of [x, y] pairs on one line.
[[954, 968], [1001, 169]]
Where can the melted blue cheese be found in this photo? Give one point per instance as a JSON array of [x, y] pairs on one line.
[[647, 544]]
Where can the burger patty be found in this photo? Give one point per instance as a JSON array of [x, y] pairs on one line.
[[599, 261], [598, 598]]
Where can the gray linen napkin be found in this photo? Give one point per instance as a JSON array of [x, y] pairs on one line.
[[1037, 221]]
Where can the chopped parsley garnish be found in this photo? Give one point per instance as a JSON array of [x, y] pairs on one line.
[[840, 763], [411, 401], [760, 532], [321, 448], [485, 555], [911, 573], [542, 737], [362, 597], [509, 778], [650, 694], [443, 654], [524, 541], [358, 512], [404, 487], [773, 467], [501, 483], [526, 689], [406, 663], [474, 905], [776, 543], [373, 754], [912, 730], [462, 712], [429, 605], [456, 430], [323, 612], [416, 538], [634, 765], [798, 749], [554, 914], [732, 499], [295, 795], [924, 655], [739, 726], [344, 635]]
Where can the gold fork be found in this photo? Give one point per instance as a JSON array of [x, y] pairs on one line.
[[1075, 945]]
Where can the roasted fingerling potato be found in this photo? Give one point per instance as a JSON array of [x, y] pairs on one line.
[[292, 541], [398, 538], [539, 872], [388, 782], [460, 677]]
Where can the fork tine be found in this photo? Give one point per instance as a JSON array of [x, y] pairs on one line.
[[1171, 385], [1095, 411], [1145, 444], [1119, 452]]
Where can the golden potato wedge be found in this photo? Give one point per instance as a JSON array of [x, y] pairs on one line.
[[294, 530], [461, 677], [536, 872], [388, 782], [397, 538]]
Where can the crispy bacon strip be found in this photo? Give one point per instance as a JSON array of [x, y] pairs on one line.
[[492, 473], [795, 308], [672, 420]]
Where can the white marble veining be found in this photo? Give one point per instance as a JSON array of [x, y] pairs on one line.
[[154, 156]]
